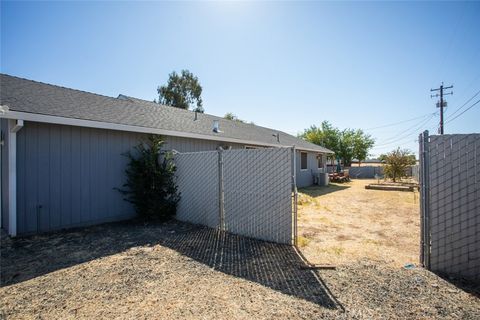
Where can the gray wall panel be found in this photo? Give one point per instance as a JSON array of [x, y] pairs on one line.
[[75, 175], [43, 174], [305, 177], [30, 165], [71, 172], [66, 174], [54, 179], [4, 173]]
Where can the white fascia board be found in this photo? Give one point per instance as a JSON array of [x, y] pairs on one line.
[[26, 116]]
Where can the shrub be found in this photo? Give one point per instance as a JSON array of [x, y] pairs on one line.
[[150, 184], [396, 162]]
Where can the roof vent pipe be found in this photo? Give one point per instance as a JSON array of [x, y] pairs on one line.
[[277, 135], [216, 126], [196, 115]]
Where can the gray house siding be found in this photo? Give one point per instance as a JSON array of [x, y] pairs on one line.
[[67, 175], [304, 177], [4, 173]]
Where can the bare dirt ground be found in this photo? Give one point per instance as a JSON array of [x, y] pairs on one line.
[[343, 223], [181, 271]]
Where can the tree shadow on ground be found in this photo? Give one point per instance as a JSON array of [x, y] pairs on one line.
[[272, 265], [317, 191]]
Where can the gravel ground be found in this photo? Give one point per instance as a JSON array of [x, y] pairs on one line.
[[177, 270]]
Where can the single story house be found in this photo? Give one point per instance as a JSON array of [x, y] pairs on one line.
[[61, 154]]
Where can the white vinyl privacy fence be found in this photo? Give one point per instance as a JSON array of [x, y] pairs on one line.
[[246, 192]]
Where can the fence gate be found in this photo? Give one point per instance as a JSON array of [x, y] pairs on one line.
[[246, 192], [450, 203]]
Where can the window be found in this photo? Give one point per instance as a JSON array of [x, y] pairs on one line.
[[320, 161], [303, 161]]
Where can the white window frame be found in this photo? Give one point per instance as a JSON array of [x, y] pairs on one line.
[[320, 156], [301, 153]]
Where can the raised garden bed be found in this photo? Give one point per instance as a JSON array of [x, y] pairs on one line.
[[390, 187]]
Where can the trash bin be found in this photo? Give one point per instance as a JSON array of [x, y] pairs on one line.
[[323, 179]]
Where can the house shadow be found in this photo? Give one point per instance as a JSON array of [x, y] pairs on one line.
[[317, 191], [28, 257], [275, 266]]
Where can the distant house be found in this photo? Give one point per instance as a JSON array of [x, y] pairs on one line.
[[61, 155]]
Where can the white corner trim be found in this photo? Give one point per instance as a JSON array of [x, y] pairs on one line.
[[13, 127], [35, 117]]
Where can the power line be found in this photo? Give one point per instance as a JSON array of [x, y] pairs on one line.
[[466, 88], [410, 130], [397, 143], [400, 122], [473, 105], [476, 94], [405, 137]]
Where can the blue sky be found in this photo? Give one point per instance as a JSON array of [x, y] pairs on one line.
[[279, 64]]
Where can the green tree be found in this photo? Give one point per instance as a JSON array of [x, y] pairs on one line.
[[233, 117], [396, 163], [346, 144], [326, 136], [182, 91], [362, 143], [150, 184]]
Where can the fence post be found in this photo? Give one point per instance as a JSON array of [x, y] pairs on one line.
[[221, 194], [295, 195], [422, 197], [424, 177]]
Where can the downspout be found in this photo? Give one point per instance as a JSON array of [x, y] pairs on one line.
[[13, 126]]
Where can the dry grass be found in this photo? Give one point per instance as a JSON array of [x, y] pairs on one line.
[[346, 222], [180, 271]]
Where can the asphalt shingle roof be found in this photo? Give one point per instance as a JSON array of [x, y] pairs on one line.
[[40, 98]]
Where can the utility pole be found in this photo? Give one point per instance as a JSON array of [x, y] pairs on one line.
[[442, 103]]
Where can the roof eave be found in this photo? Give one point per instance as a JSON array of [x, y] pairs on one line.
[[6, 113]]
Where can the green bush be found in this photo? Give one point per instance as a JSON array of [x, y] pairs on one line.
[[150, 184], [396, 163]]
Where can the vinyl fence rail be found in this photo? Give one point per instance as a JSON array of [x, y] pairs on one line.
[[449, 177], [366, 172], [245, 192]]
